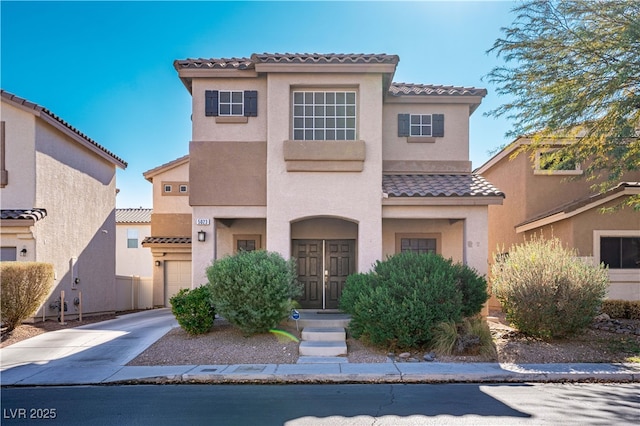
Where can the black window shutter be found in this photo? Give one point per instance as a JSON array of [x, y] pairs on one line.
[[403, 125], [438, 126], [251, 103], [211, 103]]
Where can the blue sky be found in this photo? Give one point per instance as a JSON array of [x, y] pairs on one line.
[[107, 67]]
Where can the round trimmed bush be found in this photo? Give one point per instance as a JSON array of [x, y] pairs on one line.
[[404, 297], [193, 310], [547, 291], [253, 290]]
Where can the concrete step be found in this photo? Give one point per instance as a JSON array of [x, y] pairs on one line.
[[324, 334], [311, 348], [319, 318], [323, 360]]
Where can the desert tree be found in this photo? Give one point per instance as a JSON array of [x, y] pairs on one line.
[[571, 70]]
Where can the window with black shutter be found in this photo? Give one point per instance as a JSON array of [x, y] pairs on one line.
[[231, 103], [421, 125]]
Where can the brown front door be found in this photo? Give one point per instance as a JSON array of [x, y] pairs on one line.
[[323, 267]]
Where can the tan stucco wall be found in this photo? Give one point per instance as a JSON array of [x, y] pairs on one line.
[[354, 196], [452, 148], [208, 129], [20, 158], [174, 204], [228, 173], [464, 241], [170, 225], [248, 218], [78, 190], [450, 235], [133, 261]]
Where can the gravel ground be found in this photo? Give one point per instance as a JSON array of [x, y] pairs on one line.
[[224, 344]]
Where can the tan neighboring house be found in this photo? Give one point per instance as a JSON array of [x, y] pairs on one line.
[[324, 159], [58, 197], [170, 238], [132, 227], [542, 201]]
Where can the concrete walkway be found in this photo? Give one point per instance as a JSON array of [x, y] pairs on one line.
[[98, 354]]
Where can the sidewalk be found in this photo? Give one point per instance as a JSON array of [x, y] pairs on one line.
[[98, 354]]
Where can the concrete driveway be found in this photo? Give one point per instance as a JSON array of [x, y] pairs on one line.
[[85, 354]]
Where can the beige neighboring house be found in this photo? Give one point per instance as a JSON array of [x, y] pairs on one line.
[[132, 227], [58, 197], [170, 238], [324, 159], [539, 200]]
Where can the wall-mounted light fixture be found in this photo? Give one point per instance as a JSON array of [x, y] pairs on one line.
[[202, 236], [23, 252], [158, 262]]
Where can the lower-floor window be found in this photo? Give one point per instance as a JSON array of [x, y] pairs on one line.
[[418, 243], [246, 242], [620, 252], [8, 254]]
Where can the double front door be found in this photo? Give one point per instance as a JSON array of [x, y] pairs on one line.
[[323, 267]]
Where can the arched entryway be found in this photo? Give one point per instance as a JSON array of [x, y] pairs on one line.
[[325, 250]]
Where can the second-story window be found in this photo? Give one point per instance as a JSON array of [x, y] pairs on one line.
[[132, 238], [420, 125], [231, 103], [324, 115]]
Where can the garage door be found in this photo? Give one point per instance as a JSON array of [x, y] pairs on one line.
[[177, 276]]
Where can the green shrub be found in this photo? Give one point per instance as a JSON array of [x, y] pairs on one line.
[[253, 290], [25, 285], [193, 310], [398, 303], [472, 336], [545, 290], [473, 288], [615, 308]]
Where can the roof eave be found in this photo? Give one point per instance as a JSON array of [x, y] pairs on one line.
[[570, 211]]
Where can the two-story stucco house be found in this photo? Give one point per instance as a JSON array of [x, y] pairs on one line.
[[321, 157], [552, 203], [170, 238], [58, 198]]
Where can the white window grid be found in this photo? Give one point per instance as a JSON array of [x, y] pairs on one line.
[[230, 102], [167, 188], [421, 124], [183, 188], [324, 115]]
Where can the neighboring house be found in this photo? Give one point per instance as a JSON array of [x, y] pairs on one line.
[[132, 227], [322, 158], [548, 202], [170, 238], [58, 197]]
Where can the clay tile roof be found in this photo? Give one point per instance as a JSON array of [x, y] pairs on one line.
[[167, 240], [325, 58], [286, 58], [438, 186], [215, 63], [401, 89], [40, 109], [33, 214], [133, 215]]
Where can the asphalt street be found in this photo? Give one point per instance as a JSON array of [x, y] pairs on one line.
[[344, 404]]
